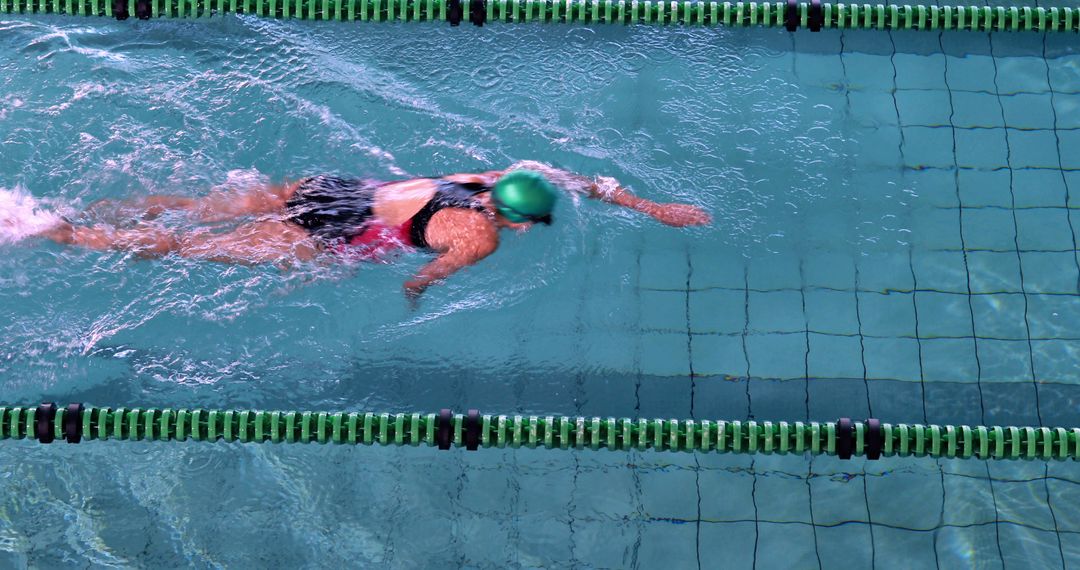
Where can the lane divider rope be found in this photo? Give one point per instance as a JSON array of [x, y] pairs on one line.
[[790, 14], [843, 438]]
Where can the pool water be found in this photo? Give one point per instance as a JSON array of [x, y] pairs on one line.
[[894, 237]]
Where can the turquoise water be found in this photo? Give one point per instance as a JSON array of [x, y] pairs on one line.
[[894, 236]]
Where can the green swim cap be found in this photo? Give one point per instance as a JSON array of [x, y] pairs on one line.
[[524, 196]]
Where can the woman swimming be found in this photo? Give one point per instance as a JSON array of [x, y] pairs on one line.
[[456, 217]]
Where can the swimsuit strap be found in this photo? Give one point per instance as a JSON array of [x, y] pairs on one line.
[[449, 195]]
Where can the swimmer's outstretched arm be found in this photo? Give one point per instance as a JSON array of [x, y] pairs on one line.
[[677, 215], [607, 189]]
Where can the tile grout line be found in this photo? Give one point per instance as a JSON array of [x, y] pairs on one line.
[[858, 318], [1064, 179], [634, 454], [693, 414], [888, 291], [1076, 259], [915, 310], [971, 310], [1027, 320], [806, 388], [749, 408]]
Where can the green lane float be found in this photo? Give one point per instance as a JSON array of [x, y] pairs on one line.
[[843, 438], [814, 15]]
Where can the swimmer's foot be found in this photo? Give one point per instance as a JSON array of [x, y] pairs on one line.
[[63, 233]]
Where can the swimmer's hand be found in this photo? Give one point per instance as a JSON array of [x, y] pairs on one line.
[[678, 215], [413, 290], [472, 239]]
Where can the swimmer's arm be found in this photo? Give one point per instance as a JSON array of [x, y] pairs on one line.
[[464, 237], [607, 189], [678, 215]]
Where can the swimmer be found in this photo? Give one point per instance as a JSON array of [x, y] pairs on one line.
[[456, 217]]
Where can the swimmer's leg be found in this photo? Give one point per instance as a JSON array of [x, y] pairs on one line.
[[214, 207], [258, 242], [226, 205], [145, 241]]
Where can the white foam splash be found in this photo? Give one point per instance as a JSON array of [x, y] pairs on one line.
[[243, 179], [22, 216]]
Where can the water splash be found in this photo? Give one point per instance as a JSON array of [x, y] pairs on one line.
[[22, 216]]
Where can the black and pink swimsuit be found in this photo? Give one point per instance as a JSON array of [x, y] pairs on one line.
[[339, 213]]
